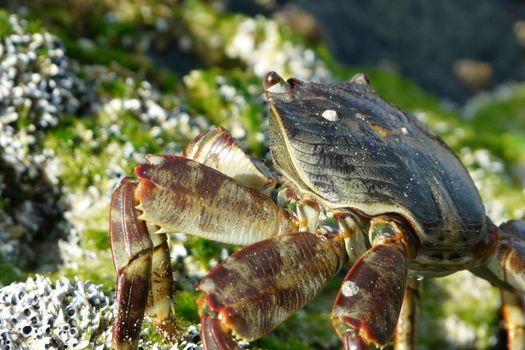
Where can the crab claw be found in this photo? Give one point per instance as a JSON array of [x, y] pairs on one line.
[[213, 335], [131, 248], [273, 279]]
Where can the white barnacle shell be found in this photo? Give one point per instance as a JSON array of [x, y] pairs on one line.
[[69, 310]]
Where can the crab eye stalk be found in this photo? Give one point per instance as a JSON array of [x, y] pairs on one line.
[[271, 79], [292, 83]]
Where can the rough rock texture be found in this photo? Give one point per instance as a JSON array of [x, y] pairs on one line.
[[39, 314]]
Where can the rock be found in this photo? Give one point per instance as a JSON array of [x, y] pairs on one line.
[[519, 32], [475, 76]]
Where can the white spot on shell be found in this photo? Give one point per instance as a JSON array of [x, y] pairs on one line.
[[349, 289], [207, 285], [154, 160], [330, 115], [404, 130]]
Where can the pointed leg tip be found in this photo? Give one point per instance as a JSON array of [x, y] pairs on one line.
[[353, 341], [213, 336]]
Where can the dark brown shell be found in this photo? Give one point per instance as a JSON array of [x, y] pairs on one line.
[[371, 156]]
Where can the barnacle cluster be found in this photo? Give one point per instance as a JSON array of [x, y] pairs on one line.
[[36, 89], [38, 314], [260, 44]]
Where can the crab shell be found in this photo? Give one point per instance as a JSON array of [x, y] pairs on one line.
[[348, 148]]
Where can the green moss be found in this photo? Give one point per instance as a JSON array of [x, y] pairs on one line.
[[32, 26], [96, 239], [82, 146], [500, 124], [116, 88], [203, 93], [106, 56], [24, 119], [9, 273], [134, 130], [204, 250], [81, 20], [5, 26], [509, 112], [150, 334], [79, 161], [186, 307]]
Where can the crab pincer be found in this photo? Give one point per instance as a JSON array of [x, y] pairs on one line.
[[131, 248], [260, 286]]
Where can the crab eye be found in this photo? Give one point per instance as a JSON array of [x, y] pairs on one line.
[[271, 79]]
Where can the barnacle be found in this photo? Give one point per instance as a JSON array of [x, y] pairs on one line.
[[38, 313]]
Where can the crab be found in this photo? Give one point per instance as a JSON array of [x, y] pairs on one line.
[[362, 185]]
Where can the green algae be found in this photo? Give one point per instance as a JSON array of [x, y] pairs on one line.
[[204, 251], [237, 108], [186, 307], [10, 273], [500, 124], [96, 239], [5, 26]]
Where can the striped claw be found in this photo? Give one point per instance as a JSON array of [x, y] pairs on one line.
[[131, 248], [177, 194], [183, 195], [213, 336], [261, 285], [353, 341]]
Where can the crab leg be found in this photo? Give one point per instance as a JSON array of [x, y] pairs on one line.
[[218, 150], [259, 286], [513, 310], [505, 268], [160, 296], [367, 307], [406, 332], [181, 195], [132, 250]]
